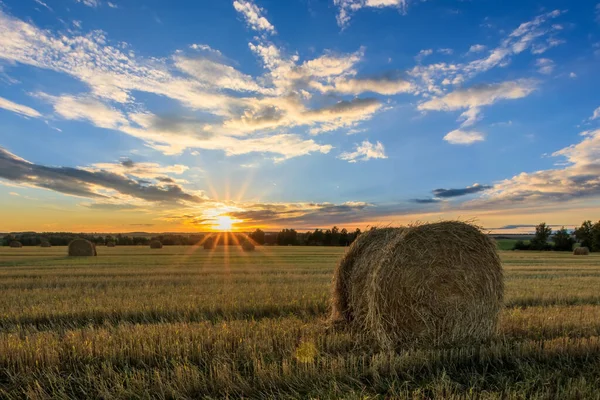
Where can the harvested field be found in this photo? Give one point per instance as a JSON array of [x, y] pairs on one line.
[[187, 323]]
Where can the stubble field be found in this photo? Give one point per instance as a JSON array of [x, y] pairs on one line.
[[184, 322]]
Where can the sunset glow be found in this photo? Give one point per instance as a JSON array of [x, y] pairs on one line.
[[223, 223]]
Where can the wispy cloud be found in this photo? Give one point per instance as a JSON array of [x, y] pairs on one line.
[[459, 136], [90, 183], [472, 100], [89, 3], [254, 16], [447, 193], [364, 151], [544, 66], [579, 178], [18, 108], [41, 3], [347, 7]]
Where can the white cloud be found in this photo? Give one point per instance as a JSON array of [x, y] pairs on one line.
[[459, 136], [446, 52], [253, 16], [544, 66], [347, 7], [579, 178], [217, 74], [146, 170], [89, 3], [85, 108], [111, 5], [364, 151], [572, 75], [477, 48], [18, 108], [473, 98], [536, 35], [382, 85], [423, 53], [41, 3], [596, 114]]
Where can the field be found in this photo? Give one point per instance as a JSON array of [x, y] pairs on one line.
[[182, 322]]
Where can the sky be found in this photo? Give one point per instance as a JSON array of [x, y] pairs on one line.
[[193, 115]]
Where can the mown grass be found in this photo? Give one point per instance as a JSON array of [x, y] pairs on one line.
[[183, 322]]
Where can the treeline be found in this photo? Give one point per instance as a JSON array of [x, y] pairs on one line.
[[318, 237], [587, 235], [286, 237]]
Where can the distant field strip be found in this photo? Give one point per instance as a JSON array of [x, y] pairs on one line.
[[184, 322]]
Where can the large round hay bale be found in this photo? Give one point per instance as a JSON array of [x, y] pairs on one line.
[[15, 244], [432, 285], [82, 248], [155, 244], [110, 244], [247, 245], [209, 244], [581, 251], [45, 243]]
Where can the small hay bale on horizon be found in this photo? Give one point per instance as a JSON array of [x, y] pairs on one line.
[[110, 244], [427, 285], [16, 244], [82, 248], [156, 244], [45, 243], [247, 245], [581, 251]]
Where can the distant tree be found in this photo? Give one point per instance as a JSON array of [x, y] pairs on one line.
[[258, 236], [542, 234], [521, 245], [563, 240], [287, 237], [595, 237], [344, 237], [585, 234]]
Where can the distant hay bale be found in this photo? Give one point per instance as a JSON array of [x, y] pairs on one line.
[[247, 245], [209, 244], [581, 251], [155, 244], [110, 244], [45, 243], [427, 285], [82, 248], [15, 244]]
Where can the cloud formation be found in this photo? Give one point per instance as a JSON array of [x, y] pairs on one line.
[[90, 183], [447, 193], [19, 108], [364, 151], [253, 16], [347, 7], [578, 179]]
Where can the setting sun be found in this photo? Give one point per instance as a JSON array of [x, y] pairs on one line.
[[223, 223]]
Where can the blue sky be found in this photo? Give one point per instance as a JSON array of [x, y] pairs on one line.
[[169, 115]]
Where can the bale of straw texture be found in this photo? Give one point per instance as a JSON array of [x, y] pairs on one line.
[[15, 244], [426, 285], [111, 244], [45, 243], [155, 244], [209, 244], [581, 251], [82, 248], [247, 245]]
